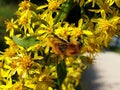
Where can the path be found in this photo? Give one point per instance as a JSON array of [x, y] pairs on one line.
[[104, 74]]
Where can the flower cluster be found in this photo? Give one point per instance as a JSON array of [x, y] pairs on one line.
[[46, 52]]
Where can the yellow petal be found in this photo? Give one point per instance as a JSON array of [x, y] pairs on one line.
[[80, 23], [41, 7], [47, 49], [87, 32], [103, 14], [117, 2]]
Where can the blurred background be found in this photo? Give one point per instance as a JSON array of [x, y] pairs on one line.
[[7, 10], [103, 74]]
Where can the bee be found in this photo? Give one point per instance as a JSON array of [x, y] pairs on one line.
[[64, 48]]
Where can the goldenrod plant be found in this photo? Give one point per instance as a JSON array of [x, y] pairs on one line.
[[46, 52]]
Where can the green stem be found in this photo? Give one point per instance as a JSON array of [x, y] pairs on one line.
[[65, 8]]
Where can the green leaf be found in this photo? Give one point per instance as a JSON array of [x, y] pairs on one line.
[[27, 42], [61, 72]]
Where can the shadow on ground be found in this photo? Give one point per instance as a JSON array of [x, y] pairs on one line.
[[88, 79]]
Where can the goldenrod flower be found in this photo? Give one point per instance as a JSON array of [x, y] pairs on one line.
[[117, 2], [10, 52], [11, 26], [24, 21], [49, 53], [104, 5], [63, 31], [53, 4], [105, 29], [1, 65], [25, 62], [9, 42], [17, 86], [24, 5], [7, 85], [72, 80], [44, 80]]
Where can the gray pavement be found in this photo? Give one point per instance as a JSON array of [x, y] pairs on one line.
[[103, 74]]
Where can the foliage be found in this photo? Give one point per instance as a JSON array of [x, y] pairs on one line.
[[46, 52]]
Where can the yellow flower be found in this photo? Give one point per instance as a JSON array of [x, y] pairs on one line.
[[10, 52], [72, 80], [88, 1], [24, 21], [26, 62], [53, 4], [117, 2], [91, 45], [68, 30], [11, 26], [104, 5], [7, 85], [35, 66], [105, 29], [44, 80], [30, 83], [64, 31], [1, 64], [115, 21], [110, 2], [42, 86], [24, 5], [50, 88], [9, 42], [17, 86]]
